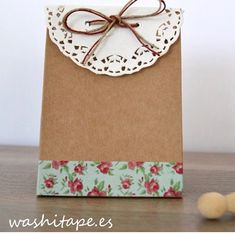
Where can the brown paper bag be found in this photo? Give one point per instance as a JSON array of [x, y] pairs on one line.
[[103, 136]]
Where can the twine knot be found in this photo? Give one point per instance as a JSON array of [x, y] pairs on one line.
[[117, 19]]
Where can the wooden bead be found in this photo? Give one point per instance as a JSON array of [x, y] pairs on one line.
[[212, 205], [230, 198]]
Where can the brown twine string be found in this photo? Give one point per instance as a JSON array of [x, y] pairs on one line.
[[108, 22]]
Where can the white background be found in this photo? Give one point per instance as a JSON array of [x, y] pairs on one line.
[[208, 70]]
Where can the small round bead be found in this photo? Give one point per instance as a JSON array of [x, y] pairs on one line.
[[212, 205]]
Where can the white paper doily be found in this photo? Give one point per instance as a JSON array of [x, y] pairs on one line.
[[120, 52]]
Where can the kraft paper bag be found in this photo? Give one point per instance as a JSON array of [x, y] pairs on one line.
[[111, 136]]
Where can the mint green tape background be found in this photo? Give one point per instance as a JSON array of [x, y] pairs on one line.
[[113, 179]]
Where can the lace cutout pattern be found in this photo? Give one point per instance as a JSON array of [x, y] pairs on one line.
[[120, 53]]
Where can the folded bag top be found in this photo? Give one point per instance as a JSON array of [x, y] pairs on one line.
[[114, 44]]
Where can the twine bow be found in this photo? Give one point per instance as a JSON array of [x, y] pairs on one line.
[[108, 22]]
